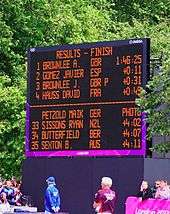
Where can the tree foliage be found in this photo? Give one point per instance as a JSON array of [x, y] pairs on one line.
[[155, 101], [30, 23]]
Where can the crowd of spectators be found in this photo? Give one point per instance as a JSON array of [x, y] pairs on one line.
[[10, 194], [160, 190]]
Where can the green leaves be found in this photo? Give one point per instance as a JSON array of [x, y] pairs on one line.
[[161, 148], [12, 120], [156, 102]]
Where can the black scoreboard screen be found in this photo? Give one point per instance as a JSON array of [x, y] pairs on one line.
[[81, 99]]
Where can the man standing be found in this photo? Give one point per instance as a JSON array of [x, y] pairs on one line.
[[105, 198], [52, 198]]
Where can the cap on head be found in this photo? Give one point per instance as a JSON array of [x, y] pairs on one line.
[[107, 181], [50, 180]]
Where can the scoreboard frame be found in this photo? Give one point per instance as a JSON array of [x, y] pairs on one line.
[[90, 152]]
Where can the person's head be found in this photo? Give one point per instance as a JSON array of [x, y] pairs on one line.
[[157, 184], [145, 185], [163, 183], [50, 180], [14, 181], [3, 198], [19, 184], [8, 183], [106, 182]]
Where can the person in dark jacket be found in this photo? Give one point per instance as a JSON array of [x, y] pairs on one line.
[[145, 191], [155, 187], [9, 191], [52, 197]]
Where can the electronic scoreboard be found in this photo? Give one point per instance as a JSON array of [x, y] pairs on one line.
[[81, 99]]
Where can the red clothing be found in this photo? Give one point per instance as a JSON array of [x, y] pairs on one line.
[[106, 200]]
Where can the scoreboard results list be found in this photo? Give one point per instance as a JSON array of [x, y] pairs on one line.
[[81, 99]]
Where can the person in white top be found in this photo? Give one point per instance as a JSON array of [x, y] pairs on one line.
[[163, 192], [4, 205]]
